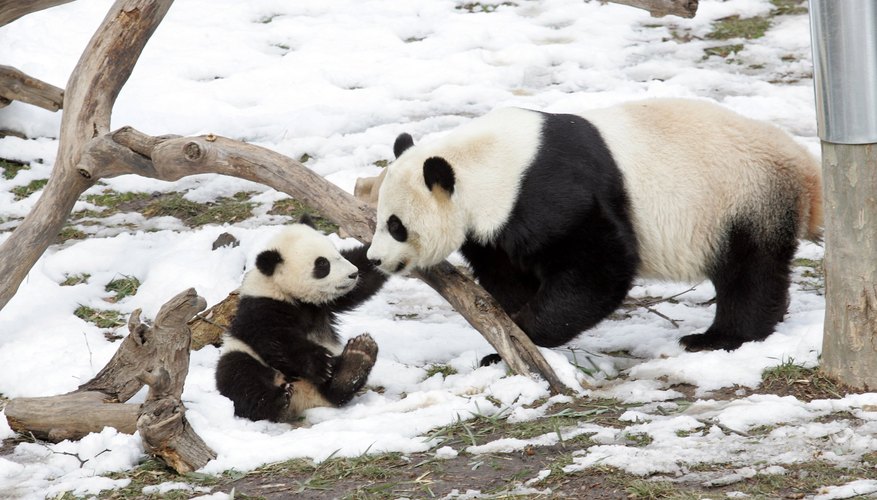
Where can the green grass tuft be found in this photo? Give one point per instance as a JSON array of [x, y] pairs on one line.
[[11, 168], [75, 279], [101, 318], [123, 287], [22, 192], [749, 28]]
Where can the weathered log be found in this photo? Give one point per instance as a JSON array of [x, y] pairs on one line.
[[127, 151], [661, 8], [10, 10], [157, 355], [70, 416], [95, 83], [17, 86]]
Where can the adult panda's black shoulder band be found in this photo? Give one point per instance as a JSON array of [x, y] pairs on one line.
[[266, 262]]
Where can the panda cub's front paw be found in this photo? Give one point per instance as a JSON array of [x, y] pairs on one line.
[[319, 367]]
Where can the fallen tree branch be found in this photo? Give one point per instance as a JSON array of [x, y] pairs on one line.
[[157, 355], [10, 10], [661, 8], [127, 151], [17, 86]]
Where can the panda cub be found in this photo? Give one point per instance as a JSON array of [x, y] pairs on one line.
[[558, 213], [282, 354]]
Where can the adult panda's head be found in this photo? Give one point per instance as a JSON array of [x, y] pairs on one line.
[[300, 264], [419, 222]]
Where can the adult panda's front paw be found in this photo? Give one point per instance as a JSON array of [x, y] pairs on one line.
[[710, 341]]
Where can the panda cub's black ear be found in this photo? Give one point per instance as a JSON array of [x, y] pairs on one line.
[[267, 261], [307, 221], [403, 142], [437, 171]]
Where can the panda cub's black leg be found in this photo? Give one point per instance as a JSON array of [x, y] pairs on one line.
[[257, 391], [752, 292], [352, 370]]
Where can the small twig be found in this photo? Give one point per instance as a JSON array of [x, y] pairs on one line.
[[673, 322], [723, 427]]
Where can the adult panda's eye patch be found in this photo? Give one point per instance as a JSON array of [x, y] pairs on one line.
[[321, 268], [396, 229]]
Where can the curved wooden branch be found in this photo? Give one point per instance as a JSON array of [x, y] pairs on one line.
[[17, 86], [91, 92], [128, 151], [10, 10]]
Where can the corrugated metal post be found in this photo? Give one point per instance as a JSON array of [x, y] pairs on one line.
[[844, 40]]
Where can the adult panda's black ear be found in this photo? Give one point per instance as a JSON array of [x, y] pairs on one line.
[[307, 221], [267, 261], [403, 142], [437, 171]]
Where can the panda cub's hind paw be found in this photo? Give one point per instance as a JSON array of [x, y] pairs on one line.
[[361, 345], [354, 366]]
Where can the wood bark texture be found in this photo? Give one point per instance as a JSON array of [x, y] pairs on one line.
[[849, 346], [128, 151], [661, 8], [157, 355], [95, 83], [162, 421], [16, 86], [10, 10]]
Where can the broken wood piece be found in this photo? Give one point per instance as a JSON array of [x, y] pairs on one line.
[[156, 354]]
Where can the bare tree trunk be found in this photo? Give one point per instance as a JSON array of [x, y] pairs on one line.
[[91, 92], [10, 10], [157, 355], [849, 348], [16, 86]]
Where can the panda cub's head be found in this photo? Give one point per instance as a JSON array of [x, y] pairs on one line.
[[300, 264], [418, 222]]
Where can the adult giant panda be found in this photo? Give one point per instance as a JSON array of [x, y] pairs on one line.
[[282, 354], [558, 213]]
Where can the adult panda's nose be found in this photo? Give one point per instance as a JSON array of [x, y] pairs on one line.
[[353, 275], [375, 262]]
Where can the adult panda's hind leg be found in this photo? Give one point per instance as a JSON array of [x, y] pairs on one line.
[[752, 280]]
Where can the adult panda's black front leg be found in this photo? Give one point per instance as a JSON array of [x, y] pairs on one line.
[[369, 282], [511, 286]]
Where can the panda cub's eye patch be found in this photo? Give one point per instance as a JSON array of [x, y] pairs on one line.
[[321, 268], [396, 229]]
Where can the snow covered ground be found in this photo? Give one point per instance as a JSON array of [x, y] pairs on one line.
[[338, 81]]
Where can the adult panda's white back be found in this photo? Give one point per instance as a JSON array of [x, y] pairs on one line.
[[690, 166]]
